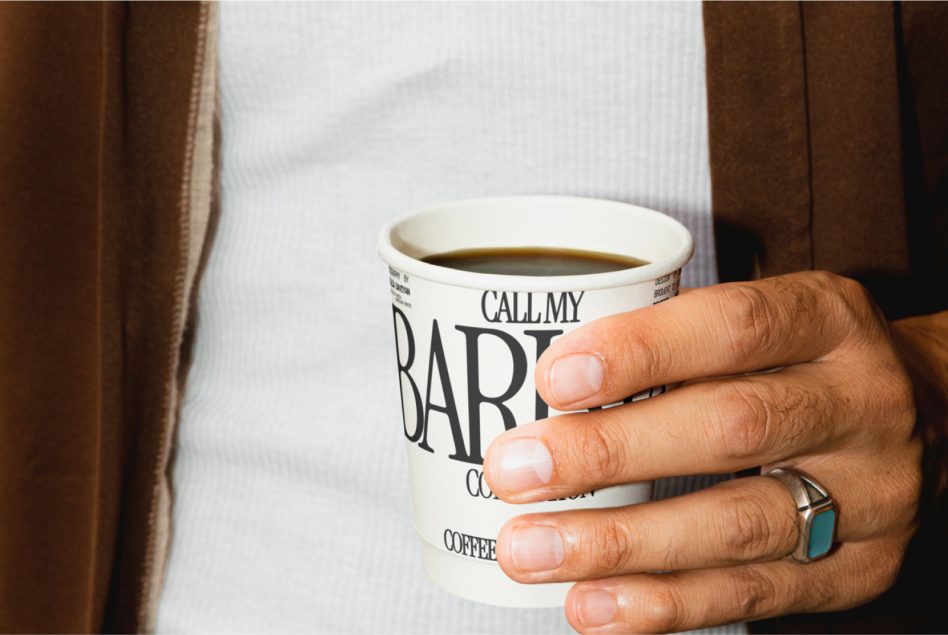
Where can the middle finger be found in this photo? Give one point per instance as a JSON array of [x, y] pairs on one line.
[[713, 427]]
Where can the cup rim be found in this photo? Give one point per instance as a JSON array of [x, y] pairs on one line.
[[503, 282]]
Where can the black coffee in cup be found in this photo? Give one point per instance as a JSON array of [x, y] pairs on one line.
[[533, 261]]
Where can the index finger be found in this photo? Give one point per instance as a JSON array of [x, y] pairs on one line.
[[713, 331]]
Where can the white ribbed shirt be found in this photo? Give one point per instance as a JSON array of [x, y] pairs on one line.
[[291, 502]]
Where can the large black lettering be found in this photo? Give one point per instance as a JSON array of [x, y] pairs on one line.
[[403, 373], [436, 359], [474, 395], [543, 338]]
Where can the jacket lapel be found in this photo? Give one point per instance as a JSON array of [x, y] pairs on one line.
[[169, 109], [759, 146]]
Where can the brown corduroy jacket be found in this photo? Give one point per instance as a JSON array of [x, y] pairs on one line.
[[829, 150]]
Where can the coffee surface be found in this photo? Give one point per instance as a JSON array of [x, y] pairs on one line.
[[533, 261]]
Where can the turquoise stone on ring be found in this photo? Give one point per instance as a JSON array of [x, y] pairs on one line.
[[816, 514], [821, 533]]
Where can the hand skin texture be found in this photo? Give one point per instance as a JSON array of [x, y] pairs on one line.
[[841, 407]]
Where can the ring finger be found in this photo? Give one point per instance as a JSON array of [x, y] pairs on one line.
[[739, 521]]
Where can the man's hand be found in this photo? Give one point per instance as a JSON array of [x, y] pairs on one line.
[[839, 407]]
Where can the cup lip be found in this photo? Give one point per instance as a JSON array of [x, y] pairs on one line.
[[502, 282]]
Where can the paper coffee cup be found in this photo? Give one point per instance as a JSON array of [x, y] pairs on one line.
[[466, 347]]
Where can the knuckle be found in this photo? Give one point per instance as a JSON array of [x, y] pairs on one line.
[[746, 527], [826, 281], [900, 497], [854, 292], [891, 394], [854, 302], [890, 568], [747, 319], [791, 410], [598, 453], [885, 576], [742, 421], [880, 565], [615, 547], [665, 611], [900, 395], [816, 594], [755, 591], [909, 490], [650, 354], [886, 397]]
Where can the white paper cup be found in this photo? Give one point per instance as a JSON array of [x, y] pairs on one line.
[[466, 347]]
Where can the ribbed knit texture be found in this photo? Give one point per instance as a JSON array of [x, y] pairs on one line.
[[292, 510]]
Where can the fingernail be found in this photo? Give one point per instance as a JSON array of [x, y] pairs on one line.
[[521, 464], [536, 548], [595, 607], [575, 377]]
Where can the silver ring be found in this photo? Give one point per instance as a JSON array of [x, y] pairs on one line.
[[816, 514]]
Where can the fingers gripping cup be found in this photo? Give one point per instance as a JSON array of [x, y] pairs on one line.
[[466, 346]]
